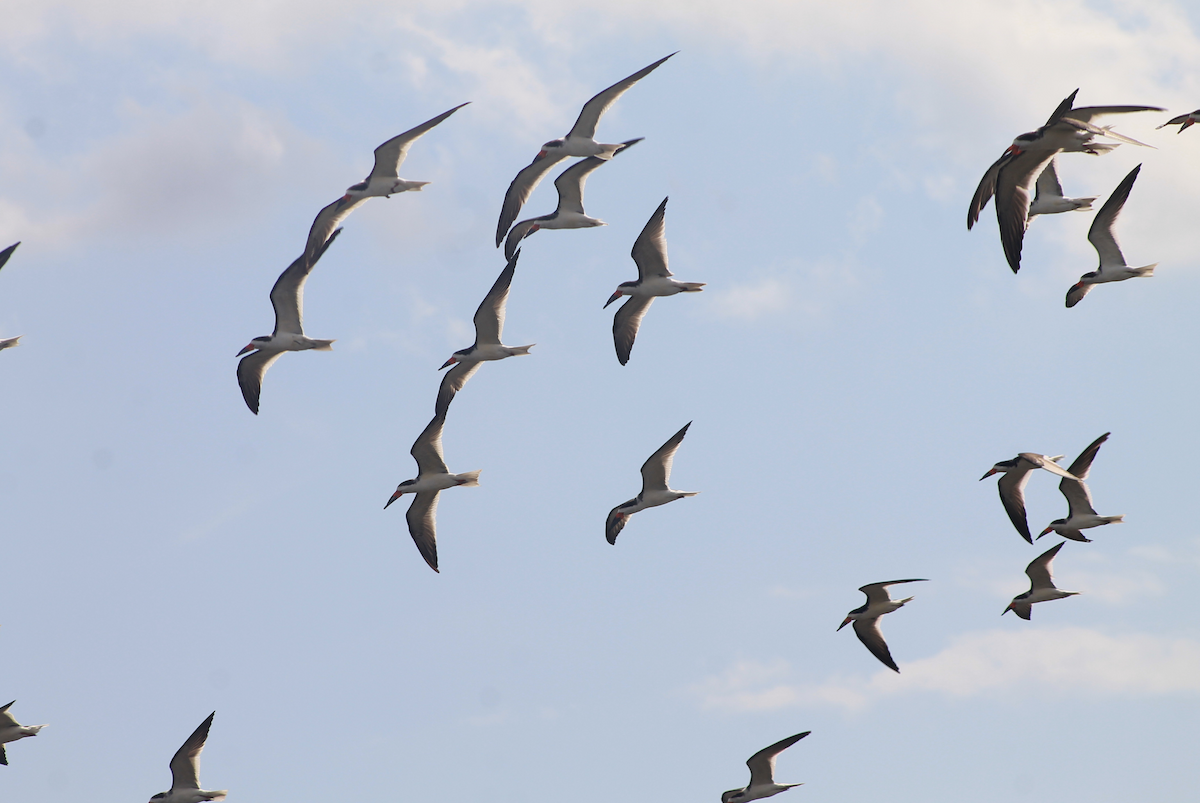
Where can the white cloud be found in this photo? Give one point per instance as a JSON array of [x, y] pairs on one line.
[[1064, 660]]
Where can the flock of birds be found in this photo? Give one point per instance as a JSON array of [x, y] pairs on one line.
[[1024, 181]]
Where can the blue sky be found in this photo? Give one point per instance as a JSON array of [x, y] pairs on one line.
[[856, 361]]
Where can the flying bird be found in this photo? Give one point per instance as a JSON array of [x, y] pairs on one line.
[[569, 214], [489, 326], [384, 180], [578, 142], [287, 297], [1012, 176], [8, 342], [432, 478], [1049, 199], [185, 771], [762, 773], [1113, 267], [1186, 120], [656, 473], [1079, 499], [1016, 477], [654, 279], [866, 618], [10, 729], [1041, 585]]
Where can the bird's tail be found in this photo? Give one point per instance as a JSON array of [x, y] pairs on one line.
[[1082, 204], [31, 730], [1146, 271], [220, 794], [7, 343], [517, 351], [906, 599], [468, 479], [417, 186], [323, 345], [1113, 519], [692, 287]]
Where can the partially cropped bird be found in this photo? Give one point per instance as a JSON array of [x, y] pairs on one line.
[[185, 771], [11, 730], [762, 773], [1041, 585], [1183, 121], [8, 342], [287, 297], [432, 478], [656, 474], [654, 279], [866, 618], [489, 327]]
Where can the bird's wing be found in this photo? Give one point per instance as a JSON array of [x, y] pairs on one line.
[[762, 763], [1039, 569], [626, 323], [1083, 464], [427, 448], [7, 252], [390, 155], [986, 189], [325, 223], [868, 633], [452, 383], [1048, 184], [422, 525], [1101, 234], [650, 248], [519, 232], [185, 765], [1079, 498], [250, 372], [570, 184], [6, 719], [521, 188], [1023, 609], [1085, 114], [1042, 461], [656, 471], [1012, 496], [585, 126], [1063, 108], [1012, 200], [614, 523], [877, 592], [489, 318], [287, 295], [3, 756]]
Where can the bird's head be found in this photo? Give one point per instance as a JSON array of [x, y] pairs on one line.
[[620, 291], [552, 146], [255, 344], [845, 622], [401, 489]]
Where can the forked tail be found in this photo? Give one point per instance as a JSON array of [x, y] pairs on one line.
[[1146, 271], [468, 479]]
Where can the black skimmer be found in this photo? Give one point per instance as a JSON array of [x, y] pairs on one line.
[[1113, 267], [489, 326], [185, 771], [762, 773], [384, 180], [578, 142], [1011, 177], [654, 279], [287, 297], [656, 473], [1049, 199], [8, 342], [11, 730], [1079, 499], [1041, 585], [432, 478], [569, 214], [866, 618], [1012, 484], [1183, 121]]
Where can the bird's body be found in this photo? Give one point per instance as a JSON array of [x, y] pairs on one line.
[[580, 141], [656, 474], [287, 298], [1183, 121], [432, 478], [185, 771], [1016, 477], [569, 214], [1049, 199], [11, 730], [489, 327], [654, 280], [762, 773], [865, 619], [383, 181], [1113, 267], [1041, 585], [1082, 516]]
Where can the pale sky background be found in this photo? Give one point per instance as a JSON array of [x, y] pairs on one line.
[[857, 360]]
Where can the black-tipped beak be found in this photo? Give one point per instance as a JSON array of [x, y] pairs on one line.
[[448, 363], [395, 496], [250, 347], [843, 624], [985, 476], [614, 297]]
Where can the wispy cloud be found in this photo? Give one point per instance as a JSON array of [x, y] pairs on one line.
[[1064, 660]]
